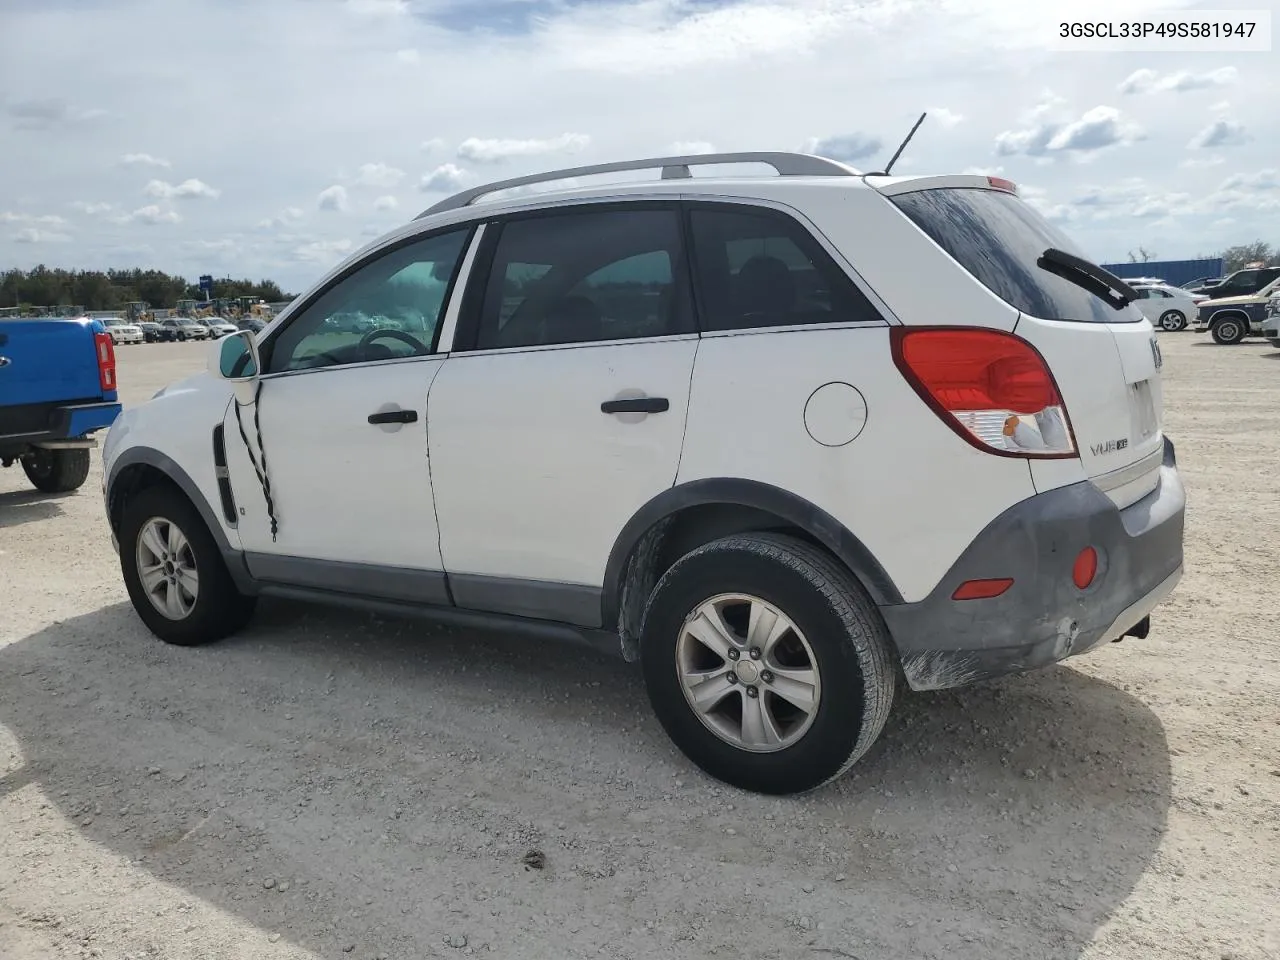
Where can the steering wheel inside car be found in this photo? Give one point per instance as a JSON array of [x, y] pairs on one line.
[[415, 344]]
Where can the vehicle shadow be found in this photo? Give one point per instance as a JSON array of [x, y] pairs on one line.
[[25, 506], [346, 781]]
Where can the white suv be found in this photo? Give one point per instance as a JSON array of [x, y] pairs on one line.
[[787, 440]]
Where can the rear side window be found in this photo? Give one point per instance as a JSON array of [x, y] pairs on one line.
[[763, 269], [998, 238], [567, 277]]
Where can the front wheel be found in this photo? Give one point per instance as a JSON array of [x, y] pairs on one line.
[[1173, 321], [1229, 331], [766, 663], [56, 471], [174, 572]]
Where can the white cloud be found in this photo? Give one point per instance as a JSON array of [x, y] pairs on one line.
[[33, 235], [479, 150], [378, 175], [332, 198], [1097, 129], [284, 217], [947, 118], [1220, 133], [408, 55], [186, 190], [446, 178], [46, 220], [143, 160], [92, 209], [377, 8], [322, 251], [151, 215], [386, 203], [433, 145], [846, 147], [689, 148], [1183, 81], [1197, 163]]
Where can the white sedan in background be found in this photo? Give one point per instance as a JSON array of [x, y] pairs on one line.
[[1168, 308]]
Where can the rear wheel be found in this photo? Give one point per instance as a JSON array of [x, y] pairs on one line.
[[766, 663], [1229, 331], [56, 471], [1173, 321], [174, 572]]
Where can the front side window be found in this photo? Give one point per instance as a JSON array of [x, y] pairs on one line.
[[388, 308], [760, 269], [582, 277]]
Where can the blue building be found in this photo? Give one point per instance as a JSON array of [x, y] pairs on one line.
[[1174, 272]]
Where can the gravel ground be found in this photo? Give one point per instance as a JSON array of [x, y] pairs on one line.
[[332, 785]]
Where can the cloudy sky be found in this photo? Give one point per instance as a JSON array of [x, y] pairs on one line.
[[271, 137]]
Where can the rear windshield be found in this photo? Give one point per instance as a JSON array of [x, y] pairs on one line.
[[998, 238]]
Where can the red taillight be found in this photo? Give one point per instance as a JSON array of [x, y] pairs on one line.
[[1000, 183], [982, 589], [1085, 568], [106, 350], [991, 387]]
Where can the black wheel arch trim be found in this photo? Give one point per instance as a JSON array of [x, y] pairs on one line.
[[150, 457], [793, 509]]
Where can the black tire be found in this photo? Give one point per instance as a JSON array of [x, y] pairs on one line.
[[1229, 331], [56, 471], [848, 638], [181, 337], [220, 609], [1173, 321]]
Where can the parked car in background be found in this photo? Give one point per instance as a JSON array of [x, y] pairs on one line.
[[252, 324], [565, 453], [1271, 325], [57, 388], [151, 331], [218, 326], [1169, 308], [1240, 284], [1200, 282], [123, 331], [185, 328], [1231, 319]]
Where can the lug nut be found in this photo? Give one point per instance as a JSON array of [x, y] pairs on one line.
[[734, 654], [766, 676], [731, 678], [752, 692], [755, 653]]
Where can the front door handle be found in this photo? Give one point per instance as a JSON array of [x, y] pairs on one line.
[[394, 416], [637, 405]]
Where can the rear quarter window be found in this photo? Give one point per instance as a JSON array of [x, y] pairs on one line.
[[997, 238]]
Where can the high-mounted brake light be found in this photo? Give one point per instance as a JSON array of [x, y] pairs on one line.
[[106, 351], [990, 387], [1000, 183]]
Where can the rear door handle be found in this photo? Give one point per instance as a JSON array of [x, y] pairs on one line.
[[394, 416], [637, 405]]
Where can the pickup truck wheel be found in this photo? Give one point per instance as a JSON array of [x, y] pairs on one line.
[[766, 663], [1229, 331], [174, 571], [57, 471]]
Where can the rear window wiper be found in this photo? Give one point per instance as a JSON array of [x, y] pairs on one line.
[[1101, 283]]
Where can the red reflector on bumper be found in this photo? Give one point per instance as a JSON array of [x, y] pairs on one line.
[[1085, 568], [981, 589]]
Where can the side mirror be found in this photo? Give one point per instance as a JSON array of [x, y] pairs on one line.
[[235, 358]]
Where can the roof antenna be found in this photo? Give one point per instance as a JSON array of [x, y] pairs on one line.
[[898, 152]]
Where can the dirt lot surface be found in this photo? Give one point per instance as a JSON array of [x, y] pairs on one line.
[[331, 785]]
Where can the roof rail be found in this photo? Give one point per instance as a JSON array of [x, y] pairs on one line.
[[673, 168]]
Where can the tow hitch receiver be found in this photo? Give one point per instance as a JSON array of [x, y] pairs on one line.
[[1139, 629]]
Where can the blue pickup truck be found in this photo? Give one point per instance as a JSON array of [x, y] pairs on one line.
[[57, 386]]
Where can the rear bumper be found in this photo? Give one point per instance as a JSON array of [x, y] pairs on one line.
[[1043, 617], [67, 423]]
